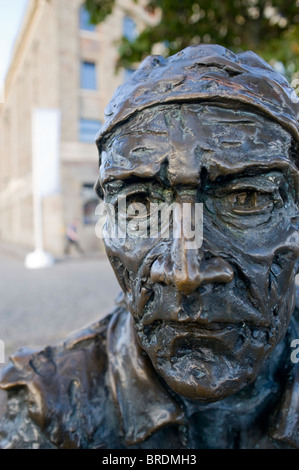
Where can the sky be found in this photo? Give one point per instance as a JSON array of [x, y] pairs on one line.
[[11, 15]]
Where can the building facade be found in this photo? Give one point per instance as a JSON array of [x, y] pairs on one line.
[[60, 62]]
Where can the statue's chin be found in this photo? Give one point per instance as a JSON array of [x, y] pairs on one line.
[[207, 363], [204, 381]]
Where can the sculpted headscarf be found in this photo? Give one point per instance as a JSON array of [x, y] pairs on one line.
[[205, 73]]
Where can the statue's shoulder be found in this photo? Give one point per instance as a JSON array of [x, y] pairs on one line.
[[62, 390], [55, 361]]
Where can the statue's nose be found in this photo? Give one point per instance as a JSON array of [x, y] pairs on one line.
[[187, 269]]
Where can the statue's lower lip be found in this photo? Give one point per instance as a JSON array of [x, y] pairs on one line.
[[224, 325], [217, 326]]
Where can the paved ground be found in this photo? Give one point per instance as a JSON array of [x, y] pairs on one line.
[[40, 307]]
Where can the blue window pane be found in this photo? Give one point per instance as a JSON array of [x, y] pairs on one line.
[[84, 17], [129, 28], [88, 129], [88, 76]]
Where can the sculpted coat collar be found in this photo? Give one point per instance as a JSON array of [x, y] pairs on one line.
[[143, 403]]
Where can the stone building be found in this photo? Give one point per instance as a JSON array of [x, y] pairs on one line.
[[60, 62]]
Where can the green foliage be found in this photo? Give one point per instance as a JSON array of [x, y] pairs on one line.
[[99, 9], [268, 27]]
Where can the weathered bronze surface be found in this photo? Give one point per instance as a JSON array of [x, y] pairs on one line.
[[197, 353]]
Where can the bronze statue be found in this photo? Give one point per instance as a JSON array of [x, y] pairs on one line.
[[197, 353]]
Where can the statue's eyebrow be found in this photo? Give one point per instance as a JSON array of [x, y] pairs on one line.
[[286, 167], [219, 170], [134, 176], [114, 186]]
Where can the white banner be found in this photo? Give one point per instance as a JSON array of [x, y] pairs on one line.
[[46, 151], [45, 164], [2, 92]]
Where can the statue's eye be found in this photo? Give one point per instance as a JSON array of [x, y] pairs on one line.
[[248, 202], [137, 205], [141, 204], [244, 207], [135, 214]]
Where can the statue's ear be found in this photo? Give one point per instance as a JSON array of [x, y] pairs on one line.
[[97, 186], [98, 189]]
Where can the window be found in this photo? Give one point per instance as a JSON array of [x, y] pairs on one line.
[[88, 75], [129, 28], [88, 128], [84, 19]]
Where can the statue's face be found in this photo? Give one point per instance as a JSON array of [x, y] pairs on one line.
[[209, 317]]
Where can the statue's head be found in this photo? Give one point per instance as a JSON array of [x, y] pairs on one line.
[[205, 127]]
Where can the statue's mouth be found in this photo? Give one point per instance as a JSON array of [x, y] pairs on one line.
[[212, 311], [187, 352], [189, 338], [190, 327], [204, 348]]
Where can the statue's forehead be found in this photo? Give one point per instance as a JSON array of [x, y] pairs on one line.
[[191, 137]]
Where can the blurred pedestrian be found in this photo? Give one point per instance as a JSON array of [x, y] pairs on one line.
[[72, 238]]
